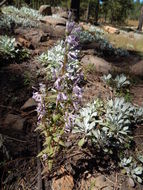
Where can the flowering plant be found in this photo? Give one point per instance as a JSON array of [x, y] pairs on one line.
[[56, 109]]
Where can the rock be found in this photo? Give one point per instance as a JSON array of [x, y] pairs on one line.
[[85, 26], [15, 122], [100, 64], [64, 182], [137, 69], [58, 10], [130, 47], [33, 35], [112, 30], [25, 43], [30, 104], [46, 28], [131, 182], [59, 31], [63, 14], [131, 35], [45, 10], [54, 31], [101, 183], [54, 21]]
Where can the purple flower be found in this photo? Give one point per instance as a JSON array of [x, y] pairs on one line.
[[57, 84], [54, 73], [73, 55], [76, 105], [69, 121], [43, 89], [77, 91], [61, 97], [69, 15], [39, 98], [69, 27], [76, 30], [72, 41]]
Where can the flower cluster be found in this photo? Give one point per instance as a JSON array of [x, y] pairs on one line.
[[56, 108], [69, 93], [39, 97]]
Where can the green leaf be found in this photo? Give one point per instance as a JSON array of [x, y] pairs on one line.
[[56, 117], [48, 141], [138, 170], [61, 143], [50, 164], [123, 171], [40, 154], [81, 142], [56, 139], [139, 179]]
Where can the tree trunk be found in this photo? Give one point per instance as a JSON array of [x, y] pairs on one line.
[[140, 20], [75, 7], [88, 11], [2, 3], [97, 11]]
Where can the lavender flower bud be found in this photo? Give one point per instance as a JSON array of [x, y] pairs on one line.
[[72, 41], [77, 91], [69, 27], [58, 84], [69, 121], [61, 97]]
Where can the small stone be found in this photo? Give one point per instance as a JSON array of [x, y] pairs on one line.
[[131, 182], [100, 181], [30, 104], [65, 182], [112, 30]]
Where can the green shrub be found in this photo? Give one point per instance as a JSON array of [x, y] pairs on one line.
[[9, 49]]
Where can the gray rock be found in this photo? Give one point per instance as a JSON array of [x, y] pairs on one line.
[[54, 21], [30, 104], [131, 182], [63, 14], [35, 36], [54, 31], [59, 31], [15, 122], [102, 183], [45, 10], [137, 69], [100, 64]]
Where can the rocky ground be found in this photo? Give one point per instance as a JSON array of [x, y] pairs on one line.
[[20, 168]]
